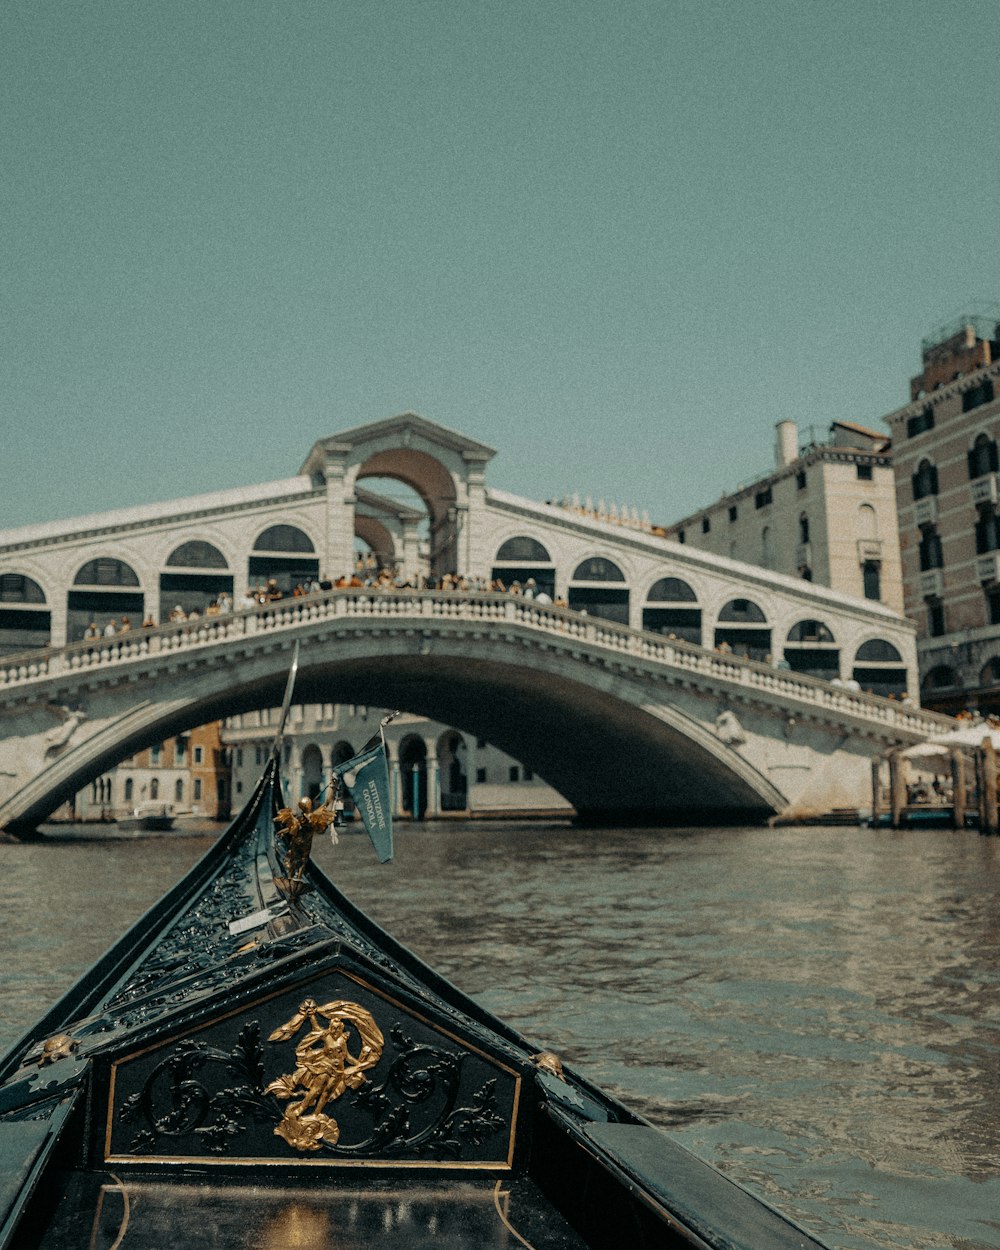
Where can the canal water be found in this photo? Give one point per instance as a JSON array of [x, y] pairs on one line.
[[816, 1011]]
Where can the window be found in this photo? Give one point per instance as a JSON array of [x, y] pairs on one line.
[[987, 530], [706, 524], [762, 498], [129, 789], [480, 744], [924, 420], [977, 395], [284, 538], [803, 528], [179, 790], [198, 754], [993, 604], [515, 773], [925, 480], [481, 776], [197, 788], [681, 536], [180, 751], [197, 555], [733, 512], [871, 577], [106, 572], [16, 588], [239, 757], [864, 472], [239, 787], [523, 548], [982, 457], [931, 555], [597, 569], [935, 617], [154, 788], [800, 480], [154, 754]]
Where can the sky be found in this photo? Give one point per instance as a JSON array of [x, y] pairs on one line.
[[616, 240]]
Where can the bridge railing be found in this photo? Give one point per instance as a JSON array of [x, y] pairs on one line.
[[293, 613]]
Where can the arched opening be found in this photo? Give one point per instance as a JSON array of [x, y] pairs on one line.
[[312, 771], [524, 559], [102, 597], [678, 617], [179, 790], [413, 776], [283, 558], [441, 533], [452, 772], [129, 789], [374, 549], [941, 677], [25, 620], [597, 589], [983, 456], [742, 629], [205, 586], [879, 669], [811, 648], [867, 523]]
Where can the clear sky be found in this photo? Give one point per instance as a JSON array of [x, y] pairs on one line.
[[615, 239]]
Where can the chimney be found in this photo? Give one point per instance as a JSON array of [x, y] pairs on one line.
[[786, 448]]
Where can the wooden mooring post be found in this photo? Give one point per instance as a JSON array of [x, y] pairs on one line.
[[958, 795], [987, 787], [897, 787], [876, 789]]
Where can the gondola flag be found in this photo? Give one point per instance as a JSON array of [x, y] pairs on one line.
[[366, 777]]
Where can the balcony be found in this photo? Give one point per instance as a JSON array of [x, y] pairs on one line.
[[870, 549], [925, 511], [931, 584], [983, 490], [988, 567]]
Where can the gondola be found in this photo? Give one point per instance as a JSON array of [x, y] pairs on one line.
[[256, 1065]]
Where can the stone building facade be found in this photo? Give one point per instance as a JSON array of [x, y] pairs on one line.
[[827, 513], [948, 494]]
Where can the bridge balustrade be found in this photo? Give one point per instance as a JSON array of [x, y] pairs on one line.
[[292, 613]]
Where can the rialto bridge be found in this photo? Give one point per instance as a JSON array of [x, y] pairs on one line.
[[626, 724], [612, 573]]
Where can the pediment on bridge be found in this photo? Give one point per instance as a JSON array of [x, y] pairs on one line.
[[405, 432]]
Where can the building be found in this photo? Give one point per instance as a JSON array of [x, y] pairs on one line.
[[188, 774], [826, 513], [433, 769], [947, 493]]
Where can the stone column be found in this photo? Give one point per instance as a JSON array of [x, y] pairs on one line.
[[396, 779], [897, 787], [336, 558], [876, 788], [988, 801], [433, 784]]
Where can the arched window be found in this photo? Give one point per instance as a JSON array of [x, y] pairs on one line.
[[597, 569], [282, 556], [179, 790], [522, 559], [879, 669], [744, 611], [990, 673], [742, 629], [810, 648], [101, 595], [524, 548], [197, 555], [803, 528], [671, 590], [810, 632], [871, 579], [196, 591], [609, 601], [878, 651], [675, 622], [106, 571], [982, 456], [930, 550], [154, 788], [981, 393], [284, 538], [941, 677], [25, 621], [925, 480], [129, 789], [867, 523]]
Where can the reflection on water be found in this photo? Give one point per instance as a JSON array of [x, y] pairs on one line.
[[816, 1011]]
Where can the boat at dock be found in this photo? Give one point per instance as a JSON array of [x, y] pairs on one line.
[[256, 1063], [147, 818]]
